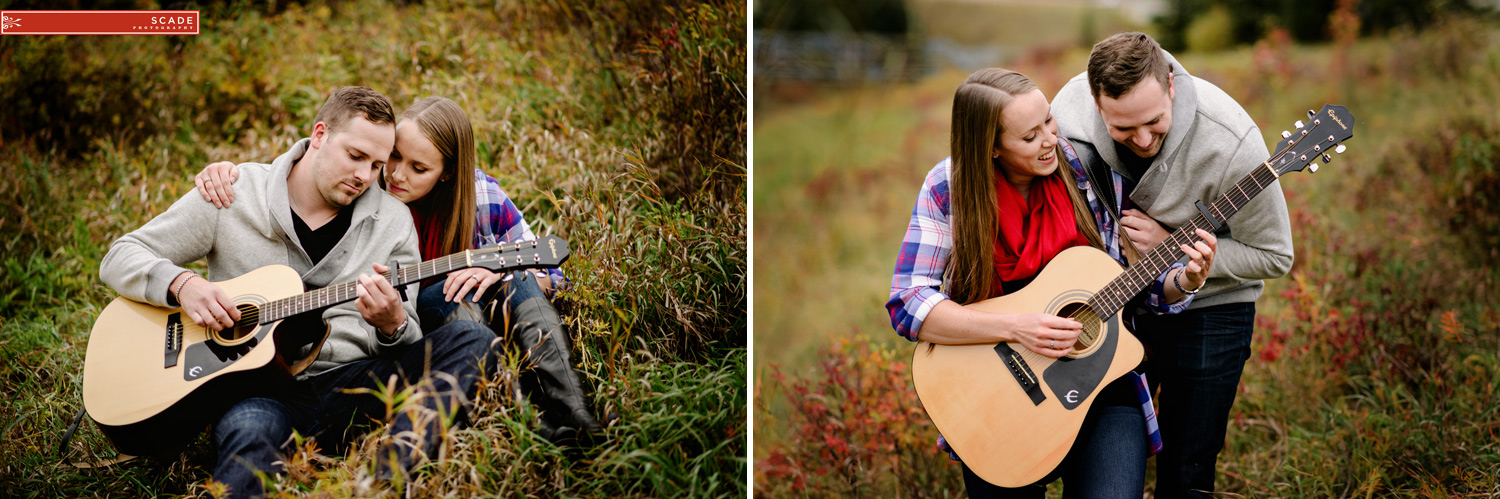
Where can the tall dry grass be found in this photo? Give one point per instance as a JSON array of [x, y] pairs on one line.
[[624, 134]]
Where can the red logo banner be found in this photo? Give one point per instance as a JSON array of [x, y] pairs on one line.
[[99, 22]]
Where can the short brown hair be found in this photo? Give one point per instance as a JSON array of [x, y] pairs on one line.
[[1119, 62], [352, 102]]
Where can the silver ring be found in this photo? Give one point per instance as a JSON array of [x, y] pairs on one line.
[[1054, 344], [473, 277]]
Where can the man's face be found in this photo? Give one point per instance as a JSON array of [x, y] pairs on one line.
[[349, 161], [1141, 117]]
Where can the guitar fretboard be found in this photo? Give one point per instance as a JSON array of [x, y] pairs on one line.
[[339, 293], [1114, 295]]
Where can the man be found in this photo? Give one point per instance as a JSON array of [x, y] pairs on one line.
[[309, 210], [1177, 139]]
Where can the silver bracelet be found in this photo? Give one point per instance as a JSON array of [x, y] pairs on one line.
[[1177, 281], [191, 274]]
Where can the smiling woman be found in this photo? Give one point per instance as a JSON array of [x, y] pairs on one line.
[[986, 222]]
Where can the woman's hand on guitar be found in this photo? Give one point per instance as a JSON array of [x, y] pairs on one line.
[[461, 282], [1046, 334], [1200, 260], [214, 183], [205, 303]]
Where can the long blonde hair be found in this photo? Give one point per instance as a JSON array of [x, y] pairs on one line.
[[977, 128], [446, 125]]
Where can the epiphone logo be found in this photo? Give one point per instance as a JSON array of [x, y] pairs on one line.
[[1336, 118], [552, 244]]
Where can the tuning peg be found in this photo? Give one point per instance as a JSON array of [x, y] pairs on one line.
[[1312, 167], [1298, 123], [1339, 149], [1327, 158], [1311, 113], [1285, 134]]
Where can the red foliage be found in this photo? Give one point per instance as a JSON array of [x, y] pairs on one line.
[[858, 424]]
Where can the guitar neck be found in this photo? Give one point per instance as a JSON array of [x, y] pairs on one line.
[[339, 293], [1114, 295]]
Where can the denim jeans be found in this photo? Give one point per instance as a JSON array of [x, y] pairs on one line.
[[252, 434], [1196, 358], [433, 309], [1107, 460]]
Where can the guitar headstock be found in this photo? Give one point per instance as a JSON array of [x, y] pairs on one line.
[[1325, 133], [544, 252]]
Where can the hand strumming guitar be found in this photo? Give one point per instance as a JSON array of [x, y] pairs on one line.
[[952, 324], [204, 302]]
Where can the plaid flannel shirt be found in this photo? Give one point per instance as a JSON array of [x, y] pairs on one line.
[[497, 220], [918, 278]]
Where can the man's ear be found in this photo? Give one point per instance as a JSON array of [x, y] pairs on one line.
[[319, 134], [1171, 90]]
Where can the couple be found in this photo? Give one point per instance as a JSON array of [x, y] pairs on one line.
[[310, 210], [1015, 193]]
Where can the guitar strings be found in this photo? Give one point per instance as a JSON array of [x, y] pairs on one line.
[[1091, 330]]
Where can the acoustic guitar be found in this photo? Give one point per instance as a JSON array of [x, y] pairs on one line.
[[1012, 414], [152, 378]]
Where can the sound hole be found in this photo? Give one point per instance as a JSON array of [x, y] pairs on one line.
[[243, 330], [1092, 326]]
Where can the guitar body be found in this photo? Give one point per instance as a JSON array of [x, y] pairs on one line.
[[1009, 435], [146, 397]]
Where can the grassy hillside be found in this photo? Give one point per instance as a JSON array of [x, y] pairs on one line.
[[619, 126], [1375, 370]]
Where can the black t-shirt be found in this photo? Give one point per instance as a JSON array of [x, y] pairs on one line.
[[1135, 166], [317, 243]]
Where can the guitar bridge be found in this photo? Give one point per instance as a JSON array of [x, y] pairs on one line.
[[174, 338], [1018, 368]]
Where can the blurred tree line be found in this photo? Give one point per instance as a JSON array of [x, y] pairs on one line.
[[1218, 24], [836, 16]]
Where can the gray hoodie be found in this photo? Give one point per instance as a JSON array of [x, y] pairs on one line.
[[256, 231], [1212, 144]]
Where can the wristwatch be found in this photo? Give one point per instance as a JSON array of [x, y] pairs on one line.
[[398, 331]]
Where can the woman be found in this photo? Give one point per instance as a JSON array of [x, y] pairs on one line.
[[987, 220], [455, 207]]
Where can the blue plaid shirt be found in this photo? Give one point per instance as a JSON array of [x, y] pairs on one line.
[[918, 278], [497, 220]]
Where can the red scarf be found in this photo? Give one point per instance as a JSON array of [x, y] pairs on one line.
[[1031, 235], [429, 231]]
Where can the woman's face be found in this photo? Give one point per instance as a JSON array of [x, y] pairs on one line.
[[1028, 147], [415, 166]]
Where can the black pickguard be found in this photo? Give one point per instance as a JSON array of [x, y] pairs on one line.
[[1074, 379], [208, 357]]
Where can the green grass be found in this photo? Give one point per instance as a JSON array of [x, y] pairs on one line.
[[617, 126], [1375, 370]]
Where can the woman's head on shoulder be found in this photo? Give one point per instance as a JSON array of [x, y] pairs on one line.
[[434, 153], [432, 171]]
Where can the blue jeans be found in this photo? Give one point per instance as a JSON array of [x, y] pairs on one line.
[[433, 309], [252, 434], [1196, 358], [1108, 459]]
